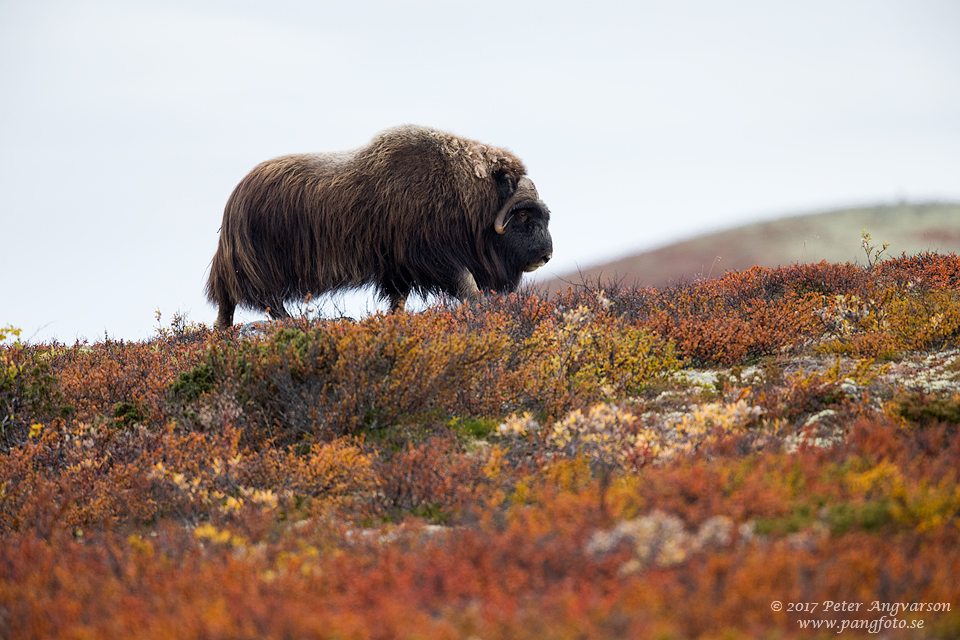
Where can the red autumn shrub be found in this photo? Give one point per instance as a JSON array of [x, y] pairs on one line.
[[435, 479], [289, 481]]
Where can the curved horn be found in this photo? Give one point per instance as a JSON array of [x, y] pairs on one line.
[[500, 224], [525, 191]]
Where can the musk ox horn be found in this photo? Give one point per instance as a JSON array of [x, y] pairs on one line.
[[525, 195], [415, 210]]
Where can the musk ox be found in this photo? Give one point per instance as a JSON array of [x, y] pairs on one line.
[[416, 210]]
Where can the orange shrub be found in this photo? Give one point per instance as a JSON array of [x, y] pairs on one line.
[[80, 477], [95, 379], [900, 304], [280, 485], [28, 391], [341, 376], [435, 479]]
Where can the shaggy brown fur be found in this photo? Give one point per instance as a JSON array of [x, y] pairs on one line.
[[415, 210]]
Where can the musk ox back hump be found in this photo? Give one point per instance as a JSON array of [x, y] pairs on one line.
[[415, 210]]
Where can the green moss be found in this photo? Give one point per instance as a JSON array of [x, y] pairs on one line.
[[432, 511], [478, 428], [923, 408], [870, 516], [190, 385], [127, 413], [799, 519]]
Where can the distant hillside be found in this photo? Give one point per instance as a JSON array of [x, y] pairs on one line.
[[833, 236]]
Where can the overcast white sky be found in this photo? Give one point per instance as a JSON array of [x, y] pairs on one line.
[[125, 125]]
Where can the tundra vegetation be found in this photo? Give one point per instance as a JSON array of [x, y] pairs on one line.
[[611, 462]]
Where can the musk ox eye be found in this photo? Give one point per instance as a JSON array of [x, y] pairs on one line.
[[526, 213]]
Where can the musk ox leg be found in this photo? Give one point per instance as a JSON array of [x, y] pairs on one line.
[[224, 315], [397, 296], [398, 301], [277, 311], [467, 289]]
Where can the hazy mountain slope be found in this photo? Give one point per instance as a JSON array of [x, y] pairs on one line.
[[833, 236]]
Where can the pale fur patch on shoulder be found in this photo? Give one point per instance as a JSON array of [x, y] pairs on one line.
[[485, 159], [482, 159]]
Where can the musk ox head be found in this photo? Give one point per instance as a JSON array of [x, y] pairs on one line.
[[525, 243], [416, 210]]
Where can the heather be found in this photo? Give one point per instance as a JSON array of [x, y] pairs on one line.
[[612, 462]]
